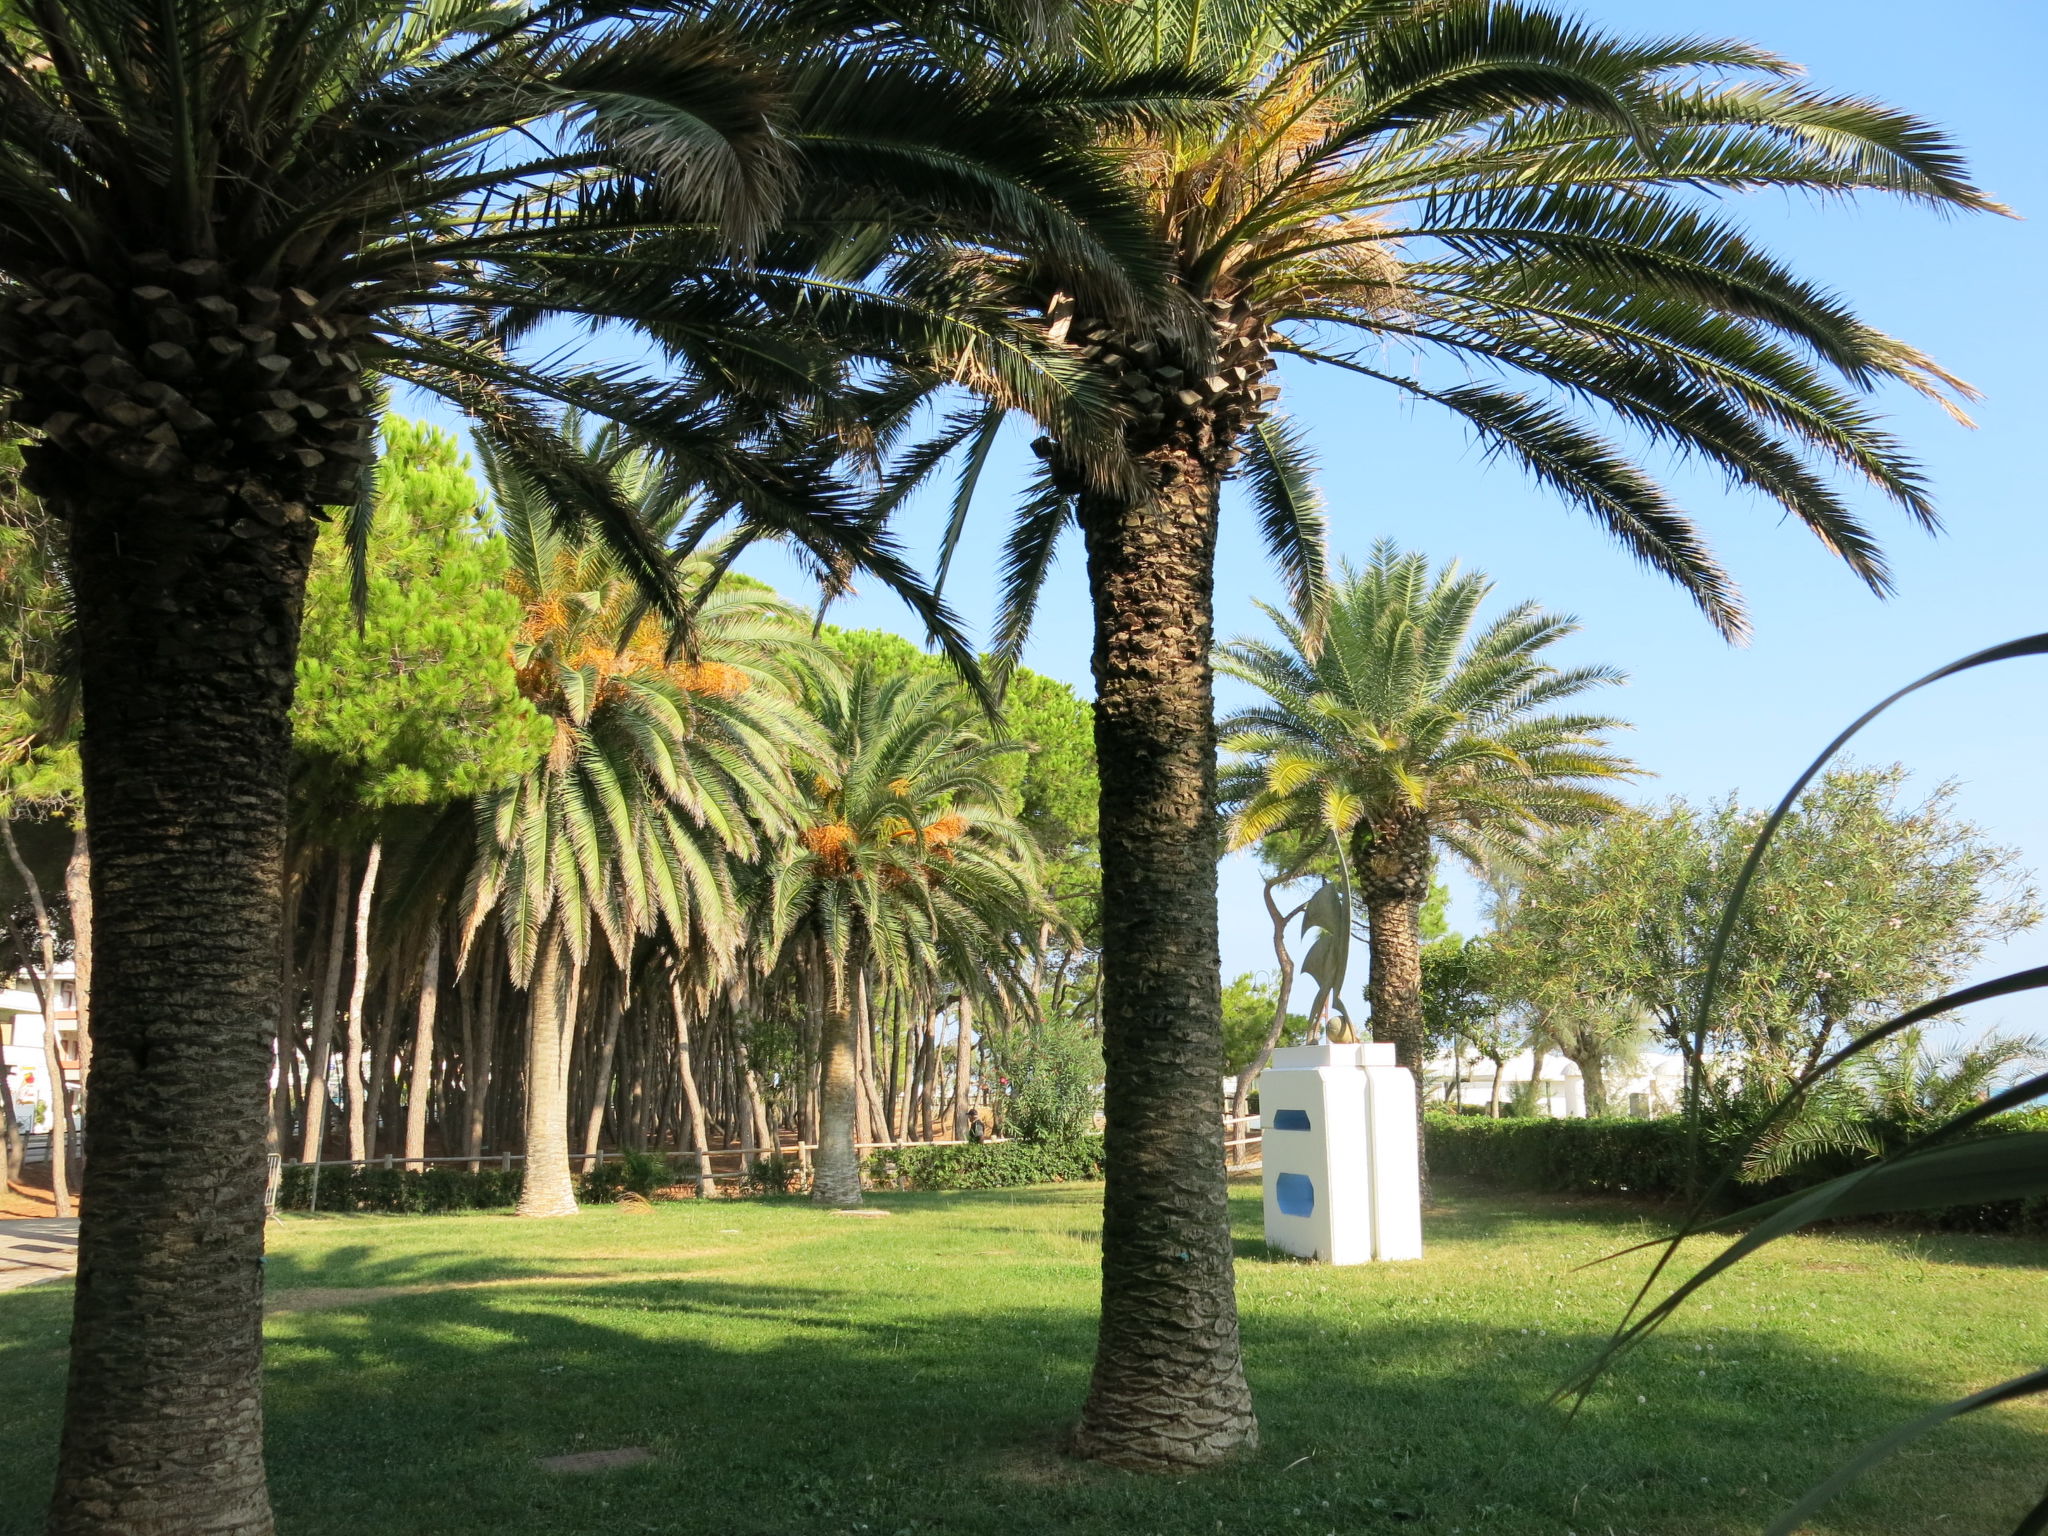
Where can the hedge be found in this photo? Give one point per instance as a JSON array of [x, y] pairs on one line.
[[441, 1189], [989, 1165], [1648, 1158], [399, 1190]]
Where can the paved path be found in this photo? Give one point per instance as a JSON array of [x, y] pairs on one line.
[[40, 1248]]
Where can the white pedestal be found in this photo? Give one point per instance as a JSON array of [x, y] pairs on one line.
[[1337, 1131]]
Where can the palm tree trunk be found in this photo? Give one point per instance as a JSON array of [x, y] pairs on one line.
[[1168, 1388], [423, 1056], [78, 898], [601, 1088], [315, 1137], [686, 1070], [1394, 990], [358, 994], [1393, 873], [963, 1065], [287, 1014], [42, 978], [12, 1147], [836, 1179], [189, 582], [548, 1189], [477, 1074]]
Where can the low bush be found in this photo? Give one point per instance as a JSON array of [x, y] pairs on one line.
[[441, 1188], [399, 1190], [1649, 1158], [636, 1173], [989, 1164]]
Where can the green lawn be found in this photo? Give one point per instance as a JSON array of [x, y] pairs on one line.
[[799, 1372]]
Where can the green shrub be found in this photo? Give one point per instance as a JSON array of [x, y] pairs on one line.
[[399, 1190], [1649, 1158], [638, 1173], [989, 1165], [770, 1175], [1055, 1083]]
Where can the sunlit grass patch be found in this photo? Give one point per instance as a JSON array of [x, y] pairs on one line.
[[790, 1372]]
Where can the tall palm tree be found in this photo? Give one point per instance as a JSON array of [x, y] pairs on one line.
[[1527, 209], [907, 865], [1404, 727], [663, 769], [219, 219]]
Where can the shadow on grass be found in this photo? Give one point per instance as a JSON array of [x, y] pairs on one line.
[[817, 1406], [772, 1411]]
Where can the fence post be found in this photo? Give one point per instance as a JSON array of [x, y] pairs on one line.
[[505, 1161]]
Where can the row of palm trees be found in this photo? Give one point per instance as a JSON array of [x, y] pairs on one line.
[[763, 831], [224, 222]]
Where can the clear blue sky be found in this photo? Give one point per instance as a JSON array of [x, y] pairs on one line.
[[1711, 718]]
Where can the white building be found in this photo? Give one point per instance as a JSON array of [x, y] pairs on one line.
[[21, 1043], [1653, 1084]]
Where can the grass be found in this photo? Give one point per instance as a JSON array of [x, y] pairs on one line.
[[794, 1371]]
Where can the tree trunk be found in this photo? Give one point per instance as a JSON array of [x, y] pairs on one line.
[[189, 577], [1168, 1389], [477, 1074], [836, 1179], [963, 1065], [1500, 1067], [78, 897], [601, 1088], [287, 1032], [423, 1056], [548, 1189], [686, 1071], [928, 1049], [383, 1071], [358, 993], [12, 1147], [1593, 1075], [1393, 875], [43, 981], [323, 1017]]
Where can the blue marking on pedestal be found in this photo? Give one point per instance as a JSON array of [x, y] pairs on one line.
[[1290, 1120], [1295, 1194]]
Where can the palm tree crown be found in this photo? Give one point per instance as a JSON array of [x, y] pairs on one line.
[[1407, 728], [1522, 203], [1404, 711], [907, 863], [664, 768]]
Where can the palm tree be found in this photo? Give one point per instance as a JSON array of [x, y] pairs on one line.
[[1406, 729], [663, 769], [219, 220], [1521, 203], [907, 867]]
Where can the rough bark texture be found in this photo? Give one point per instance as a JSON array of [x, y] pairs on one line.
[[547, 1189], [188, 423], [836, 1179], [1393, 880], [1168, 1388], [1393, 875]]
